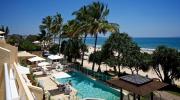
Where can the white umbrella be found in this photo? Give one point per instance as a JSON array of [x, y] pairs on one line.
[[1, 32], [23, 70], [36, 59], [43, 64], [36, 42], [55, 57]]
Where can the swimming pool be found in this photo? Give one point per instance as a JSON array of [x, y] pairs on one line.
[[88, 88]]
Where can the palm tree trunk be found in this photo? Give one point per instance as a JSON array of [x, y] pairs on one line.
[[115, 70], [82, 60], [59, 43], [94, 50], [99, 68], [166, 78], [119, 70], [137, 71], [132, 72]]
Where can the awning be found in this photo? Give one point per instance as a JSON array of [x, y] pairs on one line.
[[61, 75], [23, 70], [43, 64], [55, 57], [25, 54], [36, 59]]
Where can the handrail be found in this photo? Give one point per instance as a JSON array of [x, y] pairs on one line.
[[8, 95], [23, 85]]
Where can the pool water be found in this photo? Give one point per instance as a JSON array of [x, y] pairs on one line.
[[88, 88]]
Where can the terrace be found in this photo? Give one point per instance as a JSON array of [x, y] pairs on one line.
[[43, 74]]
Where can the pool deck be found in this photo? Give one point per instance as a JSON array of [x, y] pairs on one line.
[[51, 86]]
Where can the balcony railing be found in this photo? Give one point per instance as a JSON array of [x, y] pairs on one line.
[[7, 83]]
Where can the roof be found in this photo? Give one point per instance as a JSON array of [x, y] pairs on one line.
[[141, 89], [136, 79], [25, 54]]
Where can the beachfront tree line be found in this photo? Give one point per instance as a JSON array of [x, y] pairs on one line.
[[119, 50]]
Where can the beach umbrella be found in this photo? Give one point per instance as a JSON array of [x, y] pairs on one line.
[[55, 57], [36, 59], [43, 64], [1, 32]]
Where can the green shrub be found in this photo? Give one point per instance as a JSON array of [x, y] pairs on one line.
[[26, 45]]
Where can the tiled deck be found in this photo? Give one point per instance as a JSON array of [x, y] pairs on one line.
[[51, 87]]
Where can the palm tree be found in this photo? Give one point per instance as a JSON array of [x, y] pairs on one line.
[[97, 13], [57, 26], [134, 59], [96, 57], [47, 25], [82, 19], [167, 59], [112, 62], [72, 48], [42, 38], [2, 28], [72, 29], [115, 48], [93, 20], [6, 31]]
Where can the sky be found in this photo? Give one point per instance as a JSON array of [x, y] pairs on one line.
[[138, 18]]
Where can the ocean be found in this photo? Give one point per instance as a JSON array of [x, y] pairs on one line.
[[144, 43], [149, 43]]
